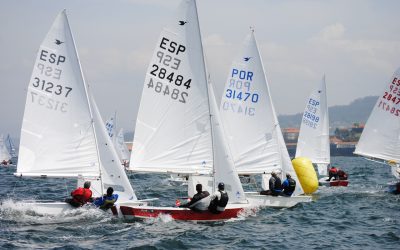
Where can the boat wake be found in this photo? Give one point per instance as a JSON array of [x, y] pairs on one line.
[[23, 211]]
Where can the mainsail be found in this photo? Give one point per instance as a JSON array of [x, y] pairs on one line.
[[313, 141], [62, 132], [181, 132], [173, 132], [380, 138], [254, 135]]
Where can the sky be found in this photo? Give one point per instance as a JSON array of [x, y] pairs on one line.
[[355, 43]]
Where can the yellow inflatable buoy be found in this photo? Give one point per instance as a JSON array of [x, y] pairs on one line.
[[306, 173]]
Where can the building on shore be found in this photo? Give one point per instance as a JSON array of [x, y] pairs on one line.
[[342, 142]]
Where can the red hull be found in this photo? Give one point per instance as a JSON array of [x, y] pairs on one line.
[[179, 214], [341, 183]]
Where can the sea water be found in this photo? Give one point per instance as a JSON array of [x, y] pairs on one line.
[[361, 216]]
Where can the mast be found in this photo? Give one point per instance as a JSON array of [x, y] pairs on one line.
[[86, 87], [276, 122], [206, 79]]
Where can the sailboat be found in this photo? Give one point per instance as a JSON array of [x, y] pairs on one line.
[[313, 141], [118, 141], [178, 128], [11, 147], [5, 156], [254, 135], [380, 139], [62, 134]]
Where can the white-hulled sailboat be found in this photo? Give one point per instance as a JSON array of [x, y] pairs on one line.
[[313, 141], [178, 128], [5, 156], [62, 133], [254, 135], [380, 139], [118, 141]]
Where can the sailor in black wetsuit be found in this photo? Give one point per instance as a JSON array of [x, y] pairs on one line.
[[275, 185], [219, 200], [198, 203]]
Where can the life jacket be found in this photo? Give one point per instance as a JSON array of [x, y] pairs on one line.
[[81, 195], [109, 201], [292, 186], [333, 170], [275, 184], [221, 203]]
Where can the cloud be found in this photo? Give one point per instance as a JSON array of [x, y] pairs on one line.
[[331, 32]]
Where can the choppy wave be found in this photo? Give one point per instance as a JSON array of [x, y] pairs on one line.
[[362, 216]]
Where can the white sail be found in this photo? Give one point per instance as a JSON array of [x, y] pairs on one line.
[[224, 168], [121, 147], [118, 140], [173, 131], [57, 136], [110, 127], [62, 133], [380, 138], [11, 146], [313, 141], [4, 154], [254, 135], [112, 172]]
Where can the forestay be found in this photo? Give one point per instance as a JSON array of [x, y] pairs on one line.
[[380, 138], [173, 131], [313, 141], [254, 135]]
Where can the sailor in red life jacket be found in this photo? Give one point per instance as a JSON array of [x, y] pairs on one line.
[[333, 173], [80, 196]]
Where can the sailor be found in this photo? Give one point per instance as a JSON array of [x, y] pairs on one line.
[[333, 173], [80, 196], [342, 175], [288, 185], [275, 185], [106, 201], [198, 203], [219, 200]]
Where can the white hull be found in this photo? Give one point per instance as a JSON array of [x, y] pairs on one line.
[[60, 208], [178, 180], [44, 208], [255, 199]]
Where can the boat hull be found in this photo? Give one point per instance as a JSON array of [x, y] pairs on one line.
[[176, 213], [257, 200]]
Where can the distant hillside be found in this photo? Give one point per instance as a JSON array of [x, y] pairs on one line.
[[343, 115]]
